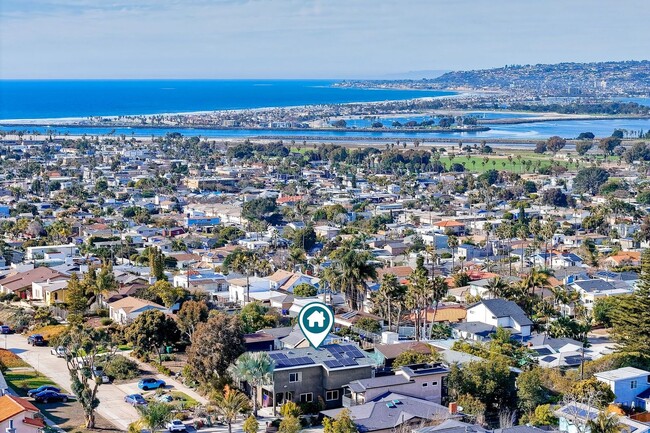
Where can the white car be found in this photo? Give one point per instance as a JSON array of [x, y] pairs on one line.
[[59, 352], [176, 425]]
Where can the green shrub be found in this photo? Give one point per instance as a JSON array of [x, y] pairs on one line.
[[106, 321], [102, 312], [162, 369], [121, 368]]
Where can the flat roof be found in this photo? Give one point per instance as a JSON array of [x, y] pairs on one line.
[[622, 373]]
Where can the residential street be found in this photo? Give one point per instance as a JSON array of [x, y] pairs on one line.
[[111, 396], [112, 406]]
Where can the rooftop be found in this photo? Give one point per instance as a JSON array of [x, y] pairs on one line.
[[331, 357], [622, 374], [391, 410]]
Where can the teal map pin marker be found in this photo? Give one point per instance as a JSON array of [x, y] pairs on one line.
[[315, 320]]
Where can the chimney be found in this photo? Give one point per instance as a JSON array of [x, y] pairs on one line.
[[453, 408]]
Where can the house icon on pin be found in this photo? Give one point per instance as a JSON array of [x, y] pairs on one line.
[[316, 319]]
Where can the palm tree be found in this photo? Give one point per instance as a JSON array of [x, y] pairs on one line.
[[497, 287], [296, 258], [604, 423], [154, 416], [439, 289], [230, 404], [452, 243], [255, 368], [250, 263], [418, 297], [487, 228], [389, 290], [353, 269], [536, 279], [433, 255]]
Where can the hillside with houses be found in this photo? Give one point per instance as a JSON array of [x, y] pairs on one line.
[[473, 288]]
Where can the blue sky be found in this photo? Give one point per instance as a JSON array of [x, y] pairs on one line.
[[308, 38]]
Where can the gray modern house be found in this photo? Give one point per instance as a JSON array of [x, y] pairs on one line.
[[425, 381], [308, 375]]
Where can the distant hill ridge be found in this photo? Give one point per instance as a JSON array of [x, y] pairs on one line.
[[562, 79]]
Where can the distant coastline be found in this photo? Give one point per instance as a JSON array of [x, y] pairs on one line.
[[65, 99]]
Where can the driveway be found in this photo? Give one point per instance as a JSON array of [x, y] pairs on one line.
[[112, 406]]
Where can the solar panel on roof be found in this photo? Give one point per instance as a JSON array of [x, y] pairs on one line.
[[333, 364], [348, 361], [356, 353], [304, 360]]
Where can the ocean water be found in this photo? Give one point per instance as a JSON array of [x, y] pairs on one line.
[[387, 121], [48, 99], [524, 131]]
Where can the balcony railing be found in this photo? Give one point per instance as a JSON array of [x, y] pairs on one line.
[[348, 401]]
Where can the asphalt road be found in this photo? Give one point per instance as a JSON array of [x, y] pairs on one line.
[[111, 396], [111, 407]]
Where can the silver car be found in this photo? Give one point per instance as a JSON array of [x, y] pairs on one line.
[[59, 352]]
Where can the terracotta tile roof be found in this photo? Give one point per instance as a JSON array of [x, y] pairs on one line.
[[11, 406], [622, 256], [36, 422], [479, 275], [288, 199], [452, 314], [449, 223], [399, 271], [184, 257]]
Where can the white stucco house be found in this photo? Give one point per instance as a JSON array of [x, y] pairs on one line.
[[127, 309]]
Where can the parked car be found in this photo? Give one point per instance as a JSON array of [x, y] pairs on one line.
[[165, 398], [176, 425], [36, 340], [98, 373], [50, 396], [5, 329], [150, 383], [59, 352], [33, 392], [135, 400]]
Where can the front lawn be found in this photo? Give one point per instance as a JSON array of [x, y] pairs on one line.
[[22, 381]]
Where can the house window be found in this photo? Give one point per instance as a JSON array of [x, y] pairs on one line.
[[306, 398], [425, 384], [288, 396], [295, 377], [633, 384], [331, 395]]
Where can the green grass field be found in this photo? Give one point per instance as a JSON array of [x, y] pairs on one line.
[[22, 381], [483, 163], [505, 160]]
